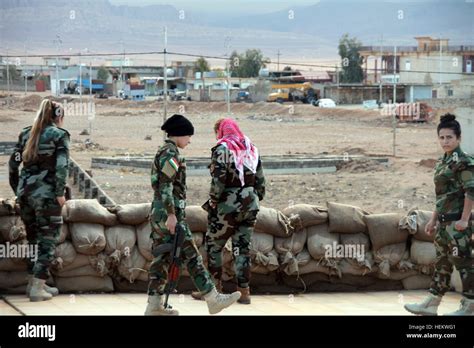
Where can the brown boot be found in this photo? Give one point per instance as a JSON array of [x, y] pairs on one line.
[[198, 296], [245, 298]]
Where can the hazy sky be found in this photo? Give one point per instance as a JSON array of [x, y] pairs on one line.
[[242, 6], [258, 6]]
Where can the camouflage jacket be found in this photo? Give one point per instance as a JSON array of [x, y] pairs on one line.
[[454, 179], [49, 172], [168, 178], [226, 189]]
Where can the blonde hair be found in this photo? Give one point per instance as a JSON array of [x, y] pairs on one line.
[[45, 116]]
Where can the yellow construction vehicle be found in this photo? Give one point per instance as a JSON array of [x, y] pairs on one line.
[[303, 92]]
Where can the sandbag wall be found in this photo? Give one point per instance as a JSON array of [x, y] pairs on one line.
[[302, 248]]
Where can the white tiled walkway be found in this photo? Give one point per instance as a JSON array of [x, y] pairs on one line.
[[360, 303]]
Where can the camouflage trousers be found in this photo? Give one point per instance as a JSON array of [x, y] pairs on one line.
[[453, 248], [43, 222], [190, 256], [239, 227]]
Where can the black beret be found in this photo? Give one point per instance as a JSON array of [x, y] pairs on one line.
[[178, 125]]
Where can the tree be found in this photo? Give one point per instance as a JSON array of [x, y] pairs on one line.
[[201, 65], [248, 64], [351, 60], [287, 68], [102, 74], [12, 72]]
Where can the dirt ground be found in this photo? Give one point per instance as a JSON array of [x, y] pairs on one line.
[[123, 127]]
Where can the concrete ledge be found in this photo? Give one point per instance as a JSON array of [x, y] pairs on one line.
[[272, 164], [7, 147]]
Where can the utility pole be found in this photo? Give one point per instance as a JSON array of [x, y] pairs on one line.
[[394, 118], [165, 79], [80, 80], [121, 65], [90, 107], [25, 74], [8, 73], [58, 43], [278, 60], [90, 80], [381, 71], [228, 87], [440, 50]]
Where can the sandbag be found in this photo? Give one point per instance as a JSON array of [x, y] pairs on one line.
[[305, 215], [423, 253], [87, 238], [88, 211], [101, 263], [85, 284], [274, 222], [130, 267], [260, 246], [143, 275], [291, 264], [360, 240], [13, 264], [314, 266], [86, 270], [64, 234], [196, 218], [293, 244], [11, 229], [389, 256], [395, 274], [345, 218], [261, 243], [120, 240], [416, 282], [64, 255], [266, 264], [13, 279], [132, 214], [347, 266], [144, 241], [415, 222], [319, 240], [123, 285], [7, 207], [383, 230], [79, 261], [366, 265]]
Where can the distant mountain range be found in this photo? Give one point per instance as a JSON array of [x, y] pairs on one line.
[[305, 33]]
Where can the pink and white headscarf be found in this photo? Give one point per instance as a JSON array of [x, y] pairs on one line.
[[239, 145]]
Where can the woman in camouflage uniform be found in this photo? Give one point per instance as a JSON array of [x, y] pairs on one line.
[[44, 150], [451, 221], [237, 186], [168, 179]]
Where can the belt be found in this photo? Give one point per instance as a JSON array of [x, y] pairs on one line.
[[452, 217]]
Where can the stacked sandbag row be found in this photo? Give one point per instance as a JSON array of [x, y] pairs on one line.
[[345, 245], [422, 249], [13, 275], [308, 247]]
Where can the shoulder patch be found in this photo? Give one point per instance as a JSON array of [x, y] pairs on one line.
[[170, 167]]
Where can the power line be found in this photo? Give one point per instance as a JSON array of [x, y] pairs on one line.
[[329, 67]]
